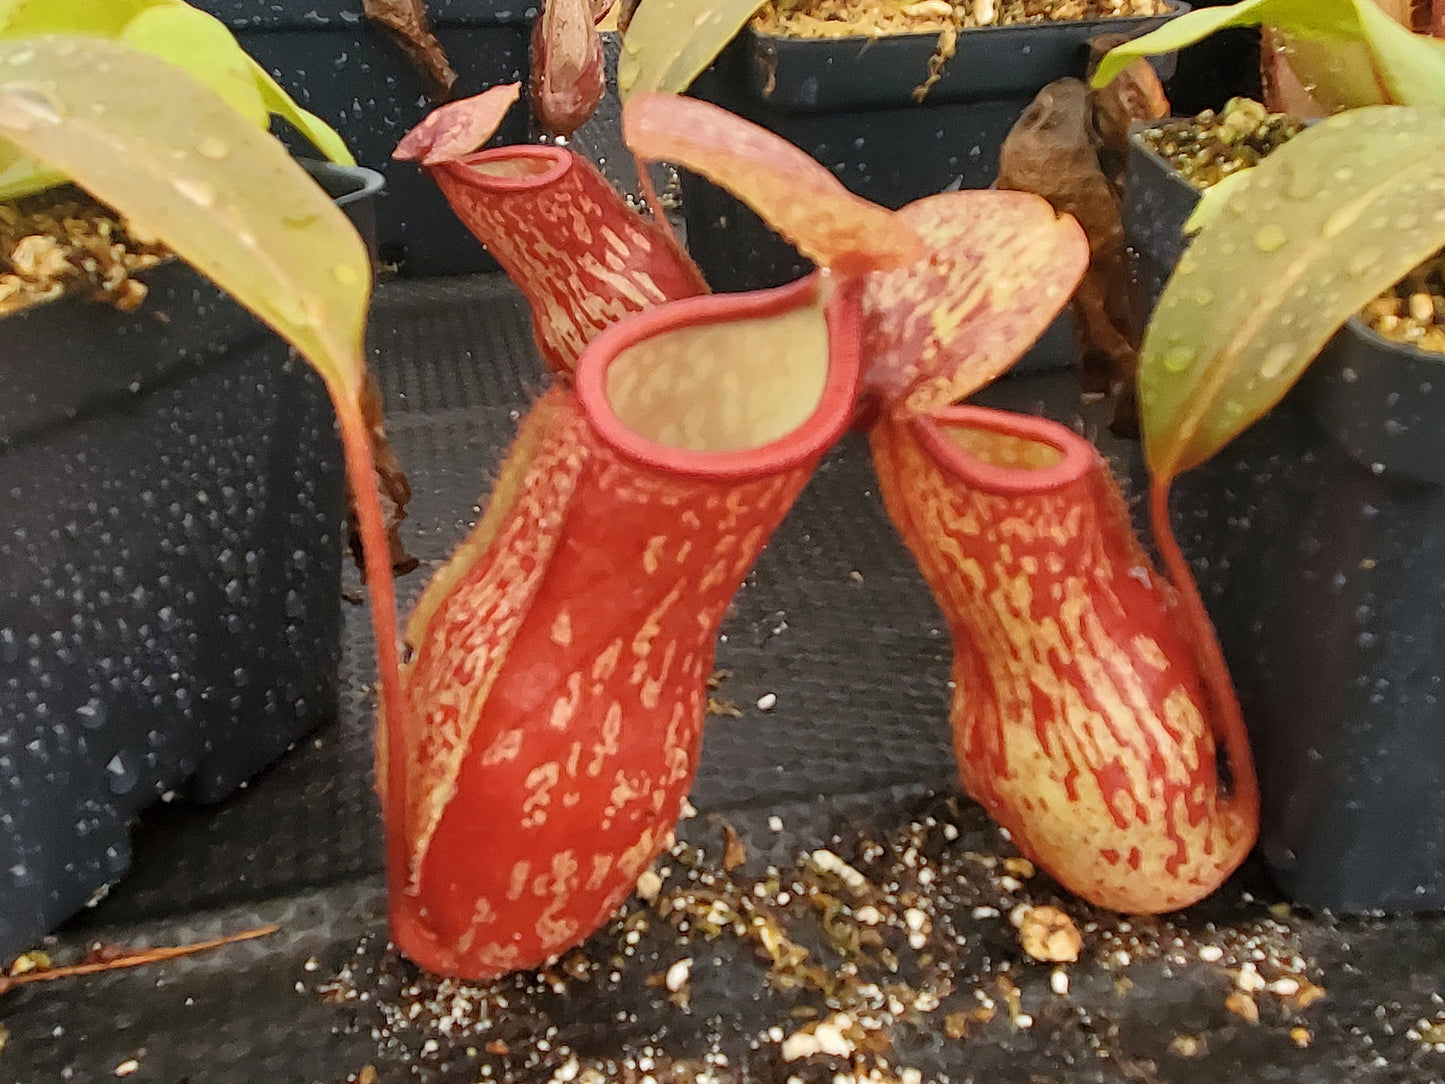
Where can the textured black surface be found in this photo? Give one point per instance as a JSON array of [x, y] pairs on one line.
[[855, 742], [169, 618], [346, 70]]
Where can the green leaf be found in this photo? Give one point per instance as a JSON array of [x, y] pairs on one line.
[[322, 136], [201, 45], [1408, 69], [669, 43], [1328, 221], [181, 165], [27, 18], [173, 31]]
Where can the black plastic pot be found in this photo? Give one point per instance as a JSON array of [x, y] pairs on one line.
[[1318, 536], [849, 103], [1319, 539], [1157, 202], [169, 573], [336, 63]]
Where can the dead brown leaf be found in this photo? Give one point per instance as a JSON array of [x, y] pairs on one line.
[[391, 482], [407, 22], [735, 854], [1053, 151]]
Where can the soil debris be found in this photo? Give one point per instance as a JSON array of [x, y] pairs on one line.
[[876, 18], [1211, 146], [846, 963], [61, 241], [1049, 935]]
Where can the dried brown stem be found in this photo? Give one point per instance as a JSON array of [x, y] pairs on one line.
[[132, 959]]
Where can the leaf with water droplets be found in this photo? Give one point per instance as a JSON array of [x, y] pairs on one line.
[[252, 221], [173, 31], [1283, 270], [204, 47], [789, 190], [669, 43], [1410, 68]]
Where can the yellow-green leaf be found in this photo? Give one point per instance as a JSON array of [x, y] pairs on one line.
[[321, 134], [200, 44], [669, 43], [1410, 67], [183, 166], [99, 18], [173, 31], [1325, 223]]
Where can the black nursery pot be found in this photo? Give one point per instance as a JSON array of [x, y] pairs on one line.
[[1318, 537], [1157, 201], [349, 72], [170, 616], [1319, 541], [849, 103]]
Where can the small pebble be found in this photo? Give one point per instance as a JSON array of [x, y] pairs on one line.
[[767, 701]]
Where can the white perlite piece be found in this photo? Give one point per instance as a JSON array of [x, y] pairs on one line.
[[678, 974], [825, 1038], [829, 862]]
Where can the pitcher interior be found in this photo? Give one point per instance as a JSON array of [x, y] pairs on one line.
[[1006, 451], [725, 386]]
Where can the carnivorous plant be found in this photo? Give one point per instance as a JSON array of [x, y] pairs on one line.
[[1287, 251]]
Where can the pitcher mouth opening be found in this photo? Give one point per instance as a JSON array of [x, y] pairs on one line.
[[505, 169], [727, 385], [997, 451]]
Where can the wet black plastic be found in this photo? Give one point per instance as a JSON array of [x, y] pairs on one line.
[[849, 103], [339, 65], [169, 571], [1319, 536], [1157, 202]]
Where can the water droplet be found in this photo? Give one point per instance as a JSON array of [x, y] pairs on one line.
[[1270, 238], [197, 191], [1276, 360], [1178, 359], [1302, 184], [345, 274], [1363, 261], [213, 147], [22, 108], [123, 777], [1339, 221], [92, 714]]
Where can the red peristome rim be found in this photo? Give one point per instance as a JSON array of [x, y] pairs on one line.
[[559, 162], [1078, 454], [821, 428]]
